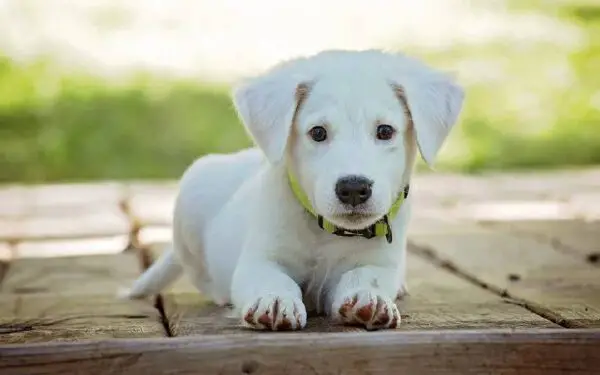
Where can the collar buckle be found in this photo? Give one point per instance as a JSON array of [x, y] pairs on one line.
[[367, 233]]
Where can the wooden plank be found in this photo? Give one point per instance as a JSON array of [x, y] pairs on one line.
[[152, 204], [155, 235], [550, 184], [71, 247], [586, 204], [512, 210], [6, 252], [529, 352], [439, 300], [86, 275], [73, 298], [57, 199], [577, 237], [541, 185], [556, 195], [108, 221], [555, 285], [29, 319]]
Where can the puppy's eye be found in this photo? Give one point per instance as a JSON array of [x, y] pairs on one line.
[[318, 134], [385, 132]]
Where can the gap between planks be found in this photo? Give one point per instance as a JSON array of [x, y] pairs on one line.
[[144, 256], [426, 253], [429, 254], [146, 260], [123, 204], [133, 245]]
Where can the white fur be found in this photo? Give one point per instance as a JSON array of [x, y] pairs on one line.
[[241, 235]]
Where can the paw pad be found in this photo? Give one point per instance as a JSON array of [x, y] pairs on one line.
[[275, 314], [369, 310]]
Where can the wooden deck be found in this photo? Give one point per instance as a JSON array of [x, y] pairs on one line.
[[504, 276]]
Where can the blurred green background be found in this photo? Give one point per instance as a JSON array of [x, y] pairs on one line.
[[532, 107]]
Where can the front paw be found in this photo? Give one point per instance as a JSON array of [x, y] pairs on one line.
[[367, 308], [275, 313]]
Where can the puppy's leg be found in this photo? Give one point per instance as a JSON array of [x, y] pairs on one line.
[[365, 296], [268, 297], [403, 292]]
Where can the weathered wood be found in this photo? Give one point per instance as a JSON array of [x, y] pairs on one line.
[[453, 286], [57, 200], [186, 310], [71, 247], [549, 185], [28, 319], [558, 286], [439, 300], [73, 298], [6, 255], [512, 210], [586, 204], [6, 252], [546, 352], [107, 221], [568, 182], [152, 204], [555, 195], [86, 275], [155, 235], [577, 237]]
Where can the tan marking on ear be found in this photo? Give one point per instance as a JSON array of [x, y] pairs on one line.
[[401, 94], [410, 142], [301, 94], [410, 147]]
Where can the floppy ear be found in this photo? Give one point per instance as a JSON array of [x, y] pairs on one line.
[[434, 103], [267, 105]]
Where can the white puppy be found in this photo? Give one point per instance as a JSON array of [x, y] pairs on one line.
[[316, 216]]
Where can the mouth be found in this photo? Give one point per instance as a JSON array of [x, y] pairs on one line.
[[356, 220], [356, 216]]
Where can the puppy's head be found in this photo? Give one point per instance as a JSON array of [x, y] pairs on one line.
[[348, 124]]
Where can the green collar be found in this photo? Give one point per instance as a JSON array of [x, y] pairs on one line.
[[379, 229]]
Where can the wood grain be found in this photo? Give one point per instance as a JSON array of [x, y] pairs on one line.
[[527, 352], [73, 298], [578, 237], [556, 285], [439, 300], [28, 319], [86, 275]]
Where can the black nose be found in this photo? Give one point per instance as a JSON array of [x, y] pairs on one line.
[[353, 190]]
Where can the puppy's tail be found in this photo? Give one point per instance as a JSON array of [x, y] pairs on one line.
[[163, 272]]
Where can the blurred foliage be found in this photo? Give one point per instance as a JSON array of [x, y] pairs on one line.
[[80, 128], [532, 107]]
